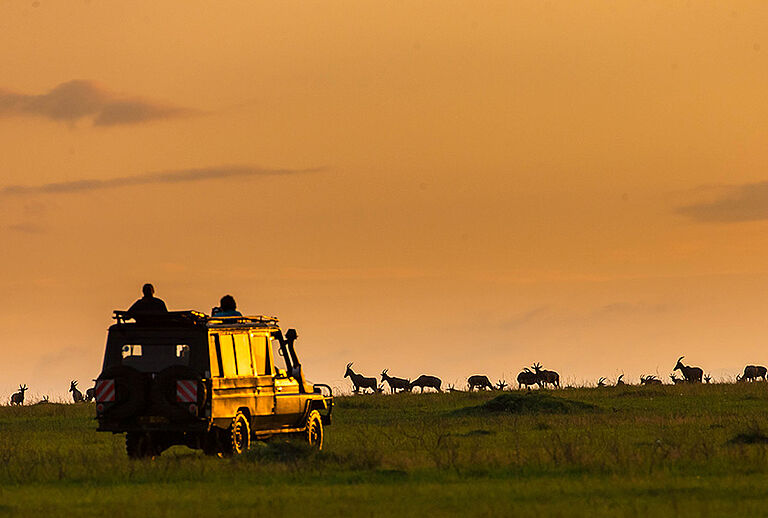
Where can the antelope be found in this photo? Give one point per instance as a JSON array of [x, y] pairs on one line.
[[601, 382], [501, 385], [691, 374], [527, 378], [675, 379], [17, 398], [359, 381], [479, 382], [43, 401], [395, 383], [707, 378], [752, 372], [427, 381], [546, 377], [77, 396], [620, 380], [452, 389], [649, 380]]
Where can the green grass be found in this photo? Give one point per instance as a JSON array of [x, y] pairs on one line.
[[621, 451]]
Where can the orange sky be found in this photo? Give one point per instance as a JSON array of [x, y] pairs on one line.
[[436, 187]]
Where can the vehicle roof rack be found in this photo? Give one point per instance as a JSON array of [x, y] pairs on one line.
[[257, 320], [170, 317]]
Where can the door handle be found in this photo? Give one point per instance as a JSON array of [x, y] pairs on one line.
[[279, 389]]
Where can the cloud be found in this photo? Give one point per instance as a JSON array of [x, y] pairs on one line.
[[162, 177], [27, 228], [731, 204], [79, 99]]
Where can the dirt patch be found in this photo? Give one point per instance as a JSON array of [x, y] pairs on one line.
[[530, 403]]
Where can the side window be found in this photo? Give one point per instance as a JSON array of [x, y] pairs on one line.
[[243, 355], [279, 361], [214, 353], [260, 350], [228, 362]]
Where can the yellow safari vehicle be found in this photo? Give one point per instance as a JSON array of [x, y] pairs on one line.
[[210, 383]]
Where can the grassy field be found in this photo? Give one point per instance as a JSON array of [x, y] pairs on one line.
[[626, 451]]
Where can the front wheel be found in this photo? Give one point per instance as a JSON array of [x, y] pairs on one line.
[[315, 430]]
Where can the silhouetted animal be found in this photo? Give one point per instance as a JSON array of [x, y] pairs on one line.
[[752, 372], [43, 401], [527, 378], [675, 379], [77, 396], [650, 380], [427, 381], [691, 374], [451, 388], [17, 398], [707, 378], [620, 380], [479, 382], [90, 394], [359, 381], [601, 382], [546, 377], [501, 385], [395, 383]]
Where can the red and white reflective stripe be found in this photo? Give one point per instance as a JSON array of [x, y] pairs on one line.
[[186, 391], [105, 391]]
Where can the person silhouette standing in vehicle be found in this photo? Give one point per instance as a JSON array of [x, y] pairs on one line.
[[148, 304], [227, 307]]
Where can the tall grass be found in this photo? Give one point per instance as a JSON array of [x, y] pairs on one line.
[[695, 450]]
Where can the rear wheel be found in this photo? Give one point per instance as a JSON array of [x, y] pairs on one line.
[[315, 430], [141, 445], [238, 436]]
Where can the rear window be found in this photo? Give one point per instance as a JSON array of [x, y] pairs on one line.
[[154, 357]]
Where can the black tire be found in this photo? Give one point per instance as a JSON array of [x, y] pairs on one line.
[[130, 391], [141, 445], [165, 392], [237, 438], [314, 432]]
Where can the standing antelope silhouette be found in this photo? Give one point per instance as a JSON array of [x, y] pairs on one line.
[[17, 398], [77, 396]]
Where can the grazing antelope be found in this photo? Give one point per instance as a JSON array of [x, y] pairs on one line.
[[620, 380], [17, 398], [501, 385], [77, 396], [479, 382], [547, 377], [752, 372], [675, 379], [691, 374], [451, 388], [395, 383], [359, 381], [650, 380], [601, 382], [43, 401], [527, 378], [427, 381]]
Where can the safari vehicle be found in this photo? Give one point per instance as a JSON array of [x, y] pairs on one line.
[[210, 383]]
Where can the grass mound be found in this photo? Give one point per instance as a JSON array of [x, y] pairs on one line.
[[531, 403], [753, 435]]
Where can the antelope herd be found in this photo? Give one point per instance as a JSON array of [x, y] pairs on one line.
[[534, 375]]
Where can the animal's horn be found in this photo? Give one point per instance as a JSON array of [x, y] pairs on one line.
[[680, 358]]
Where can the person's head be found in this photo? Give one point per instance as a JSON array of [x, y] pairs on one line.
[[148, 290], [228, 303]]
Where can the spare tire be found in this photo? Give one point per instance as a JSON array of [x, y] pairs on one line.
[[165, 385], [130, 391]]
